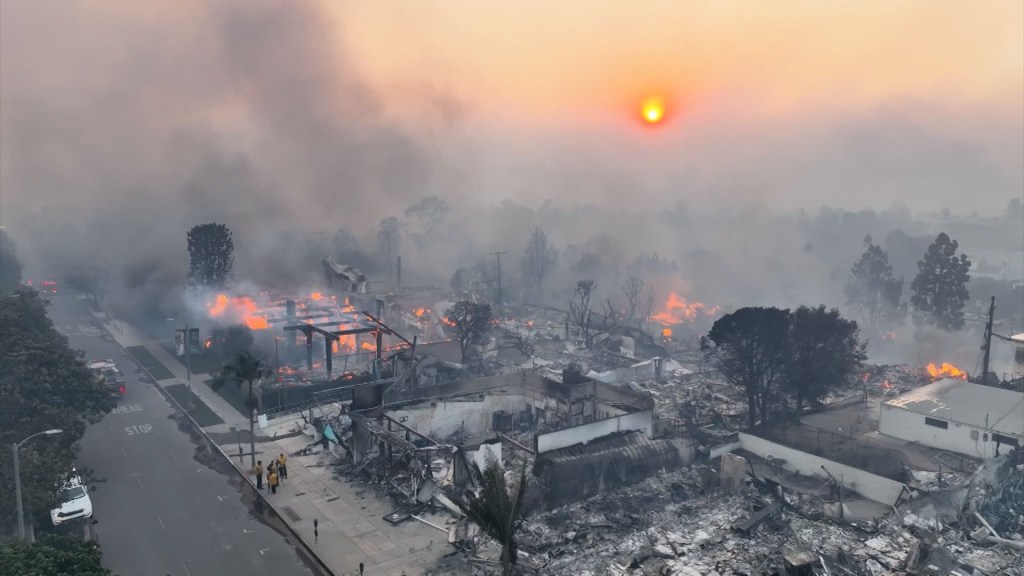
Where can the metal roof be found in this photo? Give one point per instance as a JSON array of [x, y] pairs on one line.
[[973, 404]]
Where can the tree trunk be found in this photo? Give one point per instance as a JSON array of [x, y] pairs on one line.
[[751, 407]]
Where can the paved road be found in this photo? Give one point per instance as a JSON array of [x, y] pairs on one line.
[[167, 507]]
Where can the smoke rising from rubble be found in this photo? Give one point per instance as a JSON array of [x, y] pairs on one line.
[[125, 126]]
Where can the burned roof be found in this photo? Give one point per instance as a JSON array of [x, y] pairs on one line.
[[966, 403]]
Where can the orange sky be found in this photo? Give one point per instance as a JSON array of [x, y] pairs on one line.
[[581, 59]]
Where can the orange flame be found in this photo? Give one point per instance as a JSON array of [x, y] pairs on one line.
[[242, 308], [946, 370], [316, 296], [666, 333], [420, 312], [678, 310]]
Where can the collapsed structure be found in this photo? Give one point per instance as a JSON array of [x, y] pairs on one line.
[[642, 463]]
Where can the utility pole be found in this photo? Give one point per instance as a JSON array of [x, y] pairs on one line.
[[987, 345], [188, 366], [387, 240], [501, 303]]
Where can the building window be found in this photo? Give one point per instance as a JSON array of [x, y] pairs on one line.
[[1007, 440], [974, 434], [937, 423]]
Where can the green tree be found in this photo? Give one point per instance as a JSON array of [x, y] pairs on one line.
[[211, 254], [246, 370], [540, 258], [750, 347], [472, 324], [940, 287], [43, 384], [871, 288], [497, 508], [52, 555], [10, 266], [824, 353]]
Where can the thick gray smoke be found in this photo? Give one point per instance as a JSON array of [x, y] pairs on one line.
[[124, 126]]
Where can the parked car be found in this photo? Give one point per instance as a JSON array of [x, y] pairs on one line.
[[75, 504]]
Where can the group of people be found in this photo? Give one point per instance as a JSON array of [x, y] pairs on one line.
[[277, 470]]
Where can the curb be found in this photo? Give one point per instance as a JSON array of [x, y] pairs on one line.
[[245, 477]]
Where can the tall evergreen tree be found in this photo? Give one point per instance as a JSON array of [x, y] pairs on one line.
[[940, 287], [872, 290], [211, 254], [539, 259]]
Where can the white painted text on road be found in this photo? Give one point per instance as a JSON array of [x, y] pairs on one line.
[[126, 409], [139, 429]]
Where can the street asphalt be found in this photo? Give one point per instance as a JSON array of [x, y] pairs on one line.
[[164, 505]]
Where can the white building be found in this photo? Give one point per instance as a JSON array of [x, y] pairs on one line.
[[958, 416]]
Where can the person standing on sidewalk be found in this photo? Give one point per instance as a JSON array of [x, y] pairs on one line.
[[272, 481], [258, 470], [282, 466]]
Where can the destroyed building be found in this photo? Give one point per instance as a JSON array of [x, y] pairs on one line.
[[342, 277]]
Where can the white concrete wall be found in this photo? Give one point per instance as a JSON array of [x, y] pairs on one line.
[[446, 418], [865, 483], [910, 426], [585, 433]]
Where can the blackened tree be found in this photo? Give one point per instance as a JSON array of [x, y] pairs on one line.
[[497, 508], [246, 370], [43, 384], [471, 322], [940, 287], [580, 313], [750, 347], [10, 265], [52, 555], [430, 212], [824, 353], [211, 254], [871, 288], [539, 259]]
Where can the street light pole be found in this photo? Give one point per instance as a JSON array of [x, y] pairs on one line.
[[17, 477]]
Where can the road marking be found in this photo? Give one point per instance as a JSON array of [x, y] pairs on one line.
[[185, 566], [244, 531], [161, 523], [138, 429], [139, 480], [262, 550], [127, 409]]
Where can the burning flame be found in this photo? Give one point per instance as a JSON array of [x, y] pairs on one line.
[[420, 312], [241, 307], [946, 370], [316, 296], [666, 333], [678, 310]]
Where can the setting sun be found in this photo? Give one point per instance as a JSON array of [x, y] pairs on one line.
[[653, 110]]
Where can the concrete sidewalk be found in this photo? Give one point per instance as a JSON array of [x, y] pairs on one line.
[[350, 515]]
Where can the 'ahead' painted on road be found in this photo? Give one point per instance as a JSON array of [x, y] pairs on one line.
[[126, 409]]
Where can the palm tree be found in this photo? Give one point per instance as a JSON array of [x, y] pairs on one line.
[[497, 512], [246, 369]]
